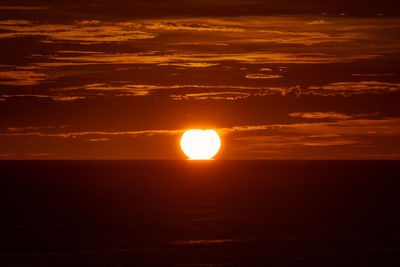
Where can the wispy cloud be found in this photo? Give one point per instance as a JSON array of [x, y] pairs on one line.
[[270, 143], [181, 25], [190, 64], [91, 133], [256, 29], [189, 58], [260, 73], [388, 126], [23, 7], [212, 95], [353, 138], [35, 128], [19, 77], [227, 92], [14, 22], [56, 98], [269, 140], [321, 115], [262, 76], [192, 91], [86, 31], [98, 139], [319, 22], [349, 88], [372, 74]]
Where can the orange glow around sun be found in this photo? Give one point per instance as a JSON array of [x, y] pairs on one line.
[[200, 144]]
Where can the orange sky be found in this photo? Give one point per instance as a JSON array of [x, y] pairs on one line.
[[123, 79]]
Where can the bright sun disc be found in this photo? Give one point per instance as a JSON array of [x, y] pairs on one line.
[[200, 144]]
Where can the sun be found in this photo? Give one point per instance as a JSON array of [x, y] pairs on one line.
[[200, 144]]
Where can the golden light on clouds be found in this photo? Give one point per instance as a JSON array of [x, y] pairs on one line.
[[200, 144], [296, 85]]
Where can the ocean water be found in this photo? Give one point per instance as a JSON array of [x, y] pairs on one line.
[[200, 213]]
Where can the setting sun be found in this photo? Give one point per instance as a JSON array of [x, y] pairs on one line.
[[200, 144]]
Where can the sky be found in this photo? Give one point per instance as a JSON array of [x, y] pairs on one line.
[[278, 79]]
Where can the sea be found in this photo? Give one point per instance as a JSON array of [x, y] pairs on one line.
[[200, 213]]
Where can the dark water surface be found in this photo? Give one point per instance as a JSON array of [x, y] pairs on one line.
[[209, 213]]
